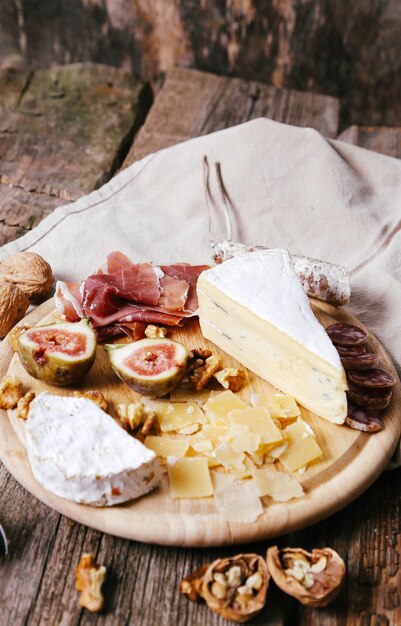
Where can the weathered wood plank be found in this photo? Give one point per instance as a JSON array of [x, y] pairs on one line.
[[37, 582], [193, 103], [63, 132], [346, 49], [384, 139]]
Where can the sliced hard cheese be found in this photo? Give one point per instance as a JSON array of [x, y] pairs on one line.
[[254, 308], [78, 452], [277, 485], [288, 405], [236, 501], [167, 446], [300, 453], [219, 405], [258, 421], [190, 478], [174, 416], [270, 403]]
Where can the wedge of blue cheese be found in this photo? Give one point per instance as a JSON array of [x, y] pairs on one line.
[[255, 309], [78, 452]]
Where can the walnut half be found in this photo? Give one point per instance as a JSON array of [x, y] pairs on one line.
[[313, 578], [234, 588], [89, 579]]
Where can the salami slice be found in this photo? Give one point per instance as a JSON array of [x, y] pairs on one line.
[[351, 350], [370, 398], [346, 334], [361, 420], [360, 362], [320, 279], [372, 379]]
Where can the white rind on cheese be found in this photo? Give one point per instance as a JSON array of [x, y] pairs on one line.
[[254, 308], [78, 452]]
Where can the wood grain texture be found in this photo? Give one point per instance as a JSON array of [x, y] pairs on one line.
[[37, 580], [384, 139], [352, 460], [63, 132], [346, 49], [203, 103]]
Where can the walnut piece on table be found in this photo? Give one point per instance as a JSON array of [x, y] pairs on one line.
[[89, 579], [233, 587], [23, 405], [10, 392], [313, 578]]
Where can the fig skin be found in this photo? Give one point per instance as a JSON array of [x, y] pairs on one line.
[[150, 386], [52, 368]]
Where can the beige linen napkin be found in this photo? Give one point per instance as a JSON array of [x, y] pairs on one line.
[[261, 182]]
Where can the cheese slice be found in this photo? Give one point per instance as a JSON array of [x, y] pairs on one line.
[[78, 452], [190, 478], [254, 308]]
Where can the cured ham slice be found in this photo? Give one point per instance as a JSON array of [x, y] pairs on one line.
[[138, 283], [190, 274], [174, 294], [117, 261], [68, 299], [123, 296]]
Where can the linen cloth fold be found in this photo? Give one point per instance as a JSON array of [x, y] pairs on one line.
[[261, 182]]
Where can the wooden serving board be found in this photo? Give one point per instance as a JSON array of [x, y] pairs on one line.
[[352, 459]]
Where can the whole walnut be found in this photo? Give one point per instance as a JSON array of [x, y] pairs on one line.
[[13, 306], [30, 273]]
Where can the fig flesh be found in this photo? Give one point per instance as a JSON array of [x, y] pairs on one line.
[[152, 367], [58, 354]]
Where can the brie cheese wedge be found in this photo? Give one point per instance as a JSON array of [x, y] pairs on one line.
[[78, 452], [254, 308]]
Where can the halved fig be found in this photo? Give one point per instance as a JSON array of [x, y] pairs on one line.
[[153, 367], [58, 354], [313, 578]]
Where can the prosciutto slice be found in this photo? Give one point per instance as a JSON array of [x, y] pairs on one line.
[[189, 274], [123, 295], [68, 299]]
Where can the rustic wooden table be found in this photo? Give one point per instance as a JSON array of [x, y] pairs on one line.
[[63, 132]]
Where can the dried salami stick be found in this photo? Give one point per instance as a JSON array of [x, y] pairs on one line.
[[320, 279]]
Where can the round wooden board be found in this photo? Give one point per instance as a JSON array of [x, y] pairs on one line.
[[352, 460]]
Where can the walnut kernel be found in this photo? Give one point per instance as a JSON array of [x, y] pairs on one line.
[[96, 396], [89, 579], [23, 405], [155, 332], [204, 373], [10, 392], [133, 414], [231, 378]]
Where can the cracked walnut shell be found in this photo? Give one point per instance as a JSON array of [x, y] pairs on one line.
[[30, 273], [13, 306], [234, 588], [313, 578]]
